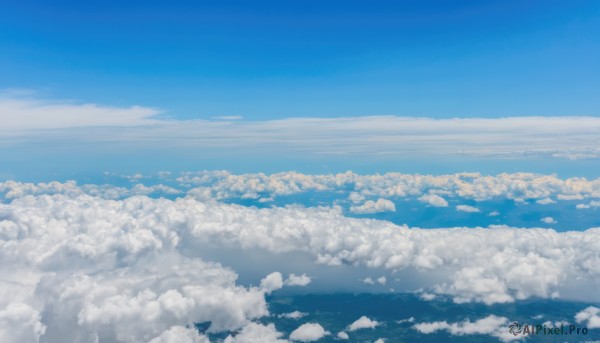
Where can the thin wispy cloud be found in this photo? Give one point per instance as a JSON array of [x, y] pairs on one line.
[[28, 119], [20, 112]]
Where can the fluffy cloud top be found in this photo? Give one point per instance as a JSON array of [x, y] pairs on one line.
[[429, 188], [308, 332], [363, 322], [116, 269], [222, 185]]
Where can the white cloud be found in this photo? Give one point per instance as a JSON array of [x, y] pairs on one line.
[[434, 200], [363, 322], [572, 137], [427, 296], [590, 316], [257, 333], [382, 280], [548, 220], [370, 206], [472, 186], [271, 282], [227, 117], [342, 335], [569, 197], [494, 214], [517, 186], [298, 280], [379, 340], [490, 325], [407, 320], [20, 323], [467, 208], [293, 315], [356, 197], [79, 258], [593, 203], [368, 281], [545, 201], [309, 332], [180, 334], [20, 113]]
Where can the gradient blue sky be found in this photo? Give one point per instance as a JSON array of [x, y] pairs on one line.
[[272, 59], [268, 61]]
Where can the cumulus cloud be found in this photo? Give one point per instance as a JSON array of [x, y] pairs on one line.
[[271, 282], [20, 323], [95, 278], [298, 280], [117, 268], [434, 200], [370, 206], [363, 322], [467, 208], [590, 316], [309, 332], [490, 325], [427, 188]]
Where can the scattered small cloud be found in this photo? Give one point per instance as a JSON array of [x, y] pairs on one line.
[[548, 220], [545, 201], [370, 206], [363, 322], [309, 332], [433, 200], [293, 315], [298, 280], [342, 335], [467, 208], [590, 316]]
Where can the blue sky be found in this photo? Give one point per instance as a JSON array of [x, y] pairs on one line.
[[272, 59], [156, 85]]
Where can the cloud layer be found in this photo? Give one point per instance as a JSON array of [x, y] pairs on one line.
[[561, 137], [82, 267]]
